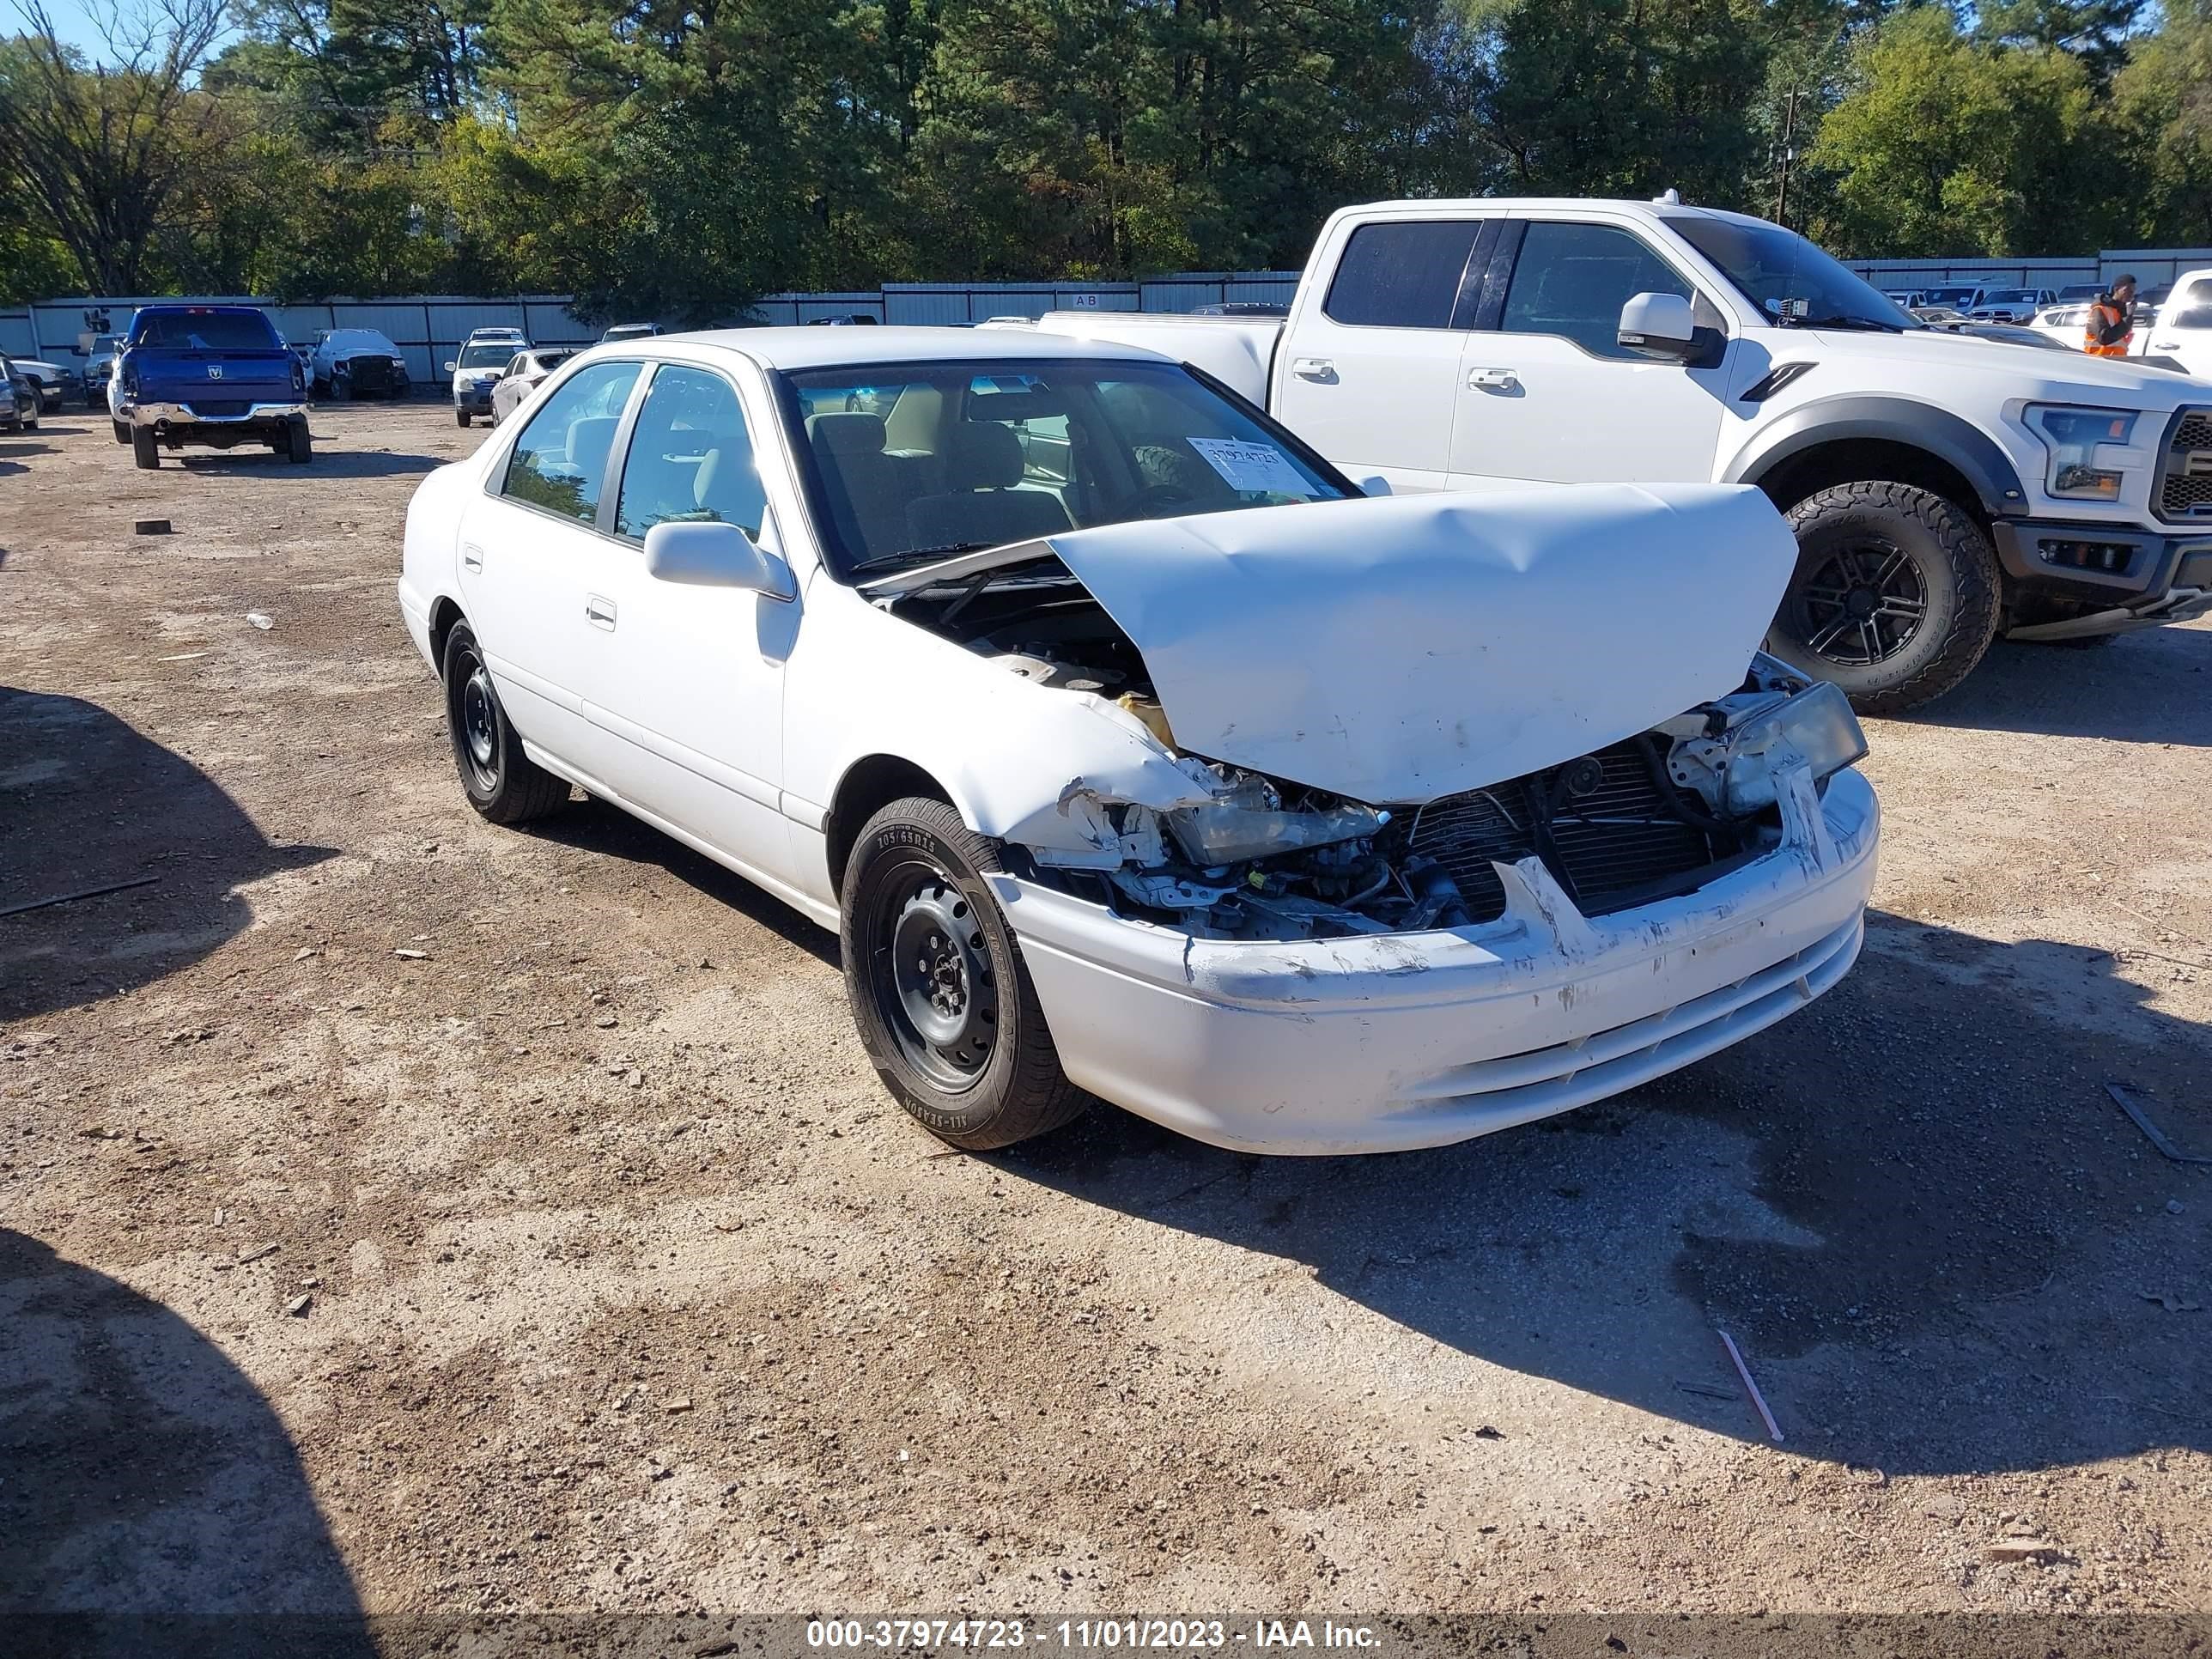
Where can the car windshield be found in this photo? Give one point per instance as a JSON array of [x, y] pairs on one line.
[[205, 331], [908, 462], [1788, 278], [497, 354]]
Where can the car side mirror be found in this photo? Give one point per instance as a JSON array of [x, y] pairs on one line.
[[449, 366], [1378, 485], [712, 554], [1659, 325]]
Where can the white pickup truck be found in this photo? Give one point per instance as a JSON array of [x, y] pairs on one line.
[[1943, 488]]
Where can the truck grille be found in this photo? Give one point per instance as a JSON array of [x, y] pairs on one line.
[[1609, 847], [2184, 488]]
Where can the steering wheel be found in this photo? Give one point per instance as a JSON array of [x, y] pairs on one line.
[[1157, 496]]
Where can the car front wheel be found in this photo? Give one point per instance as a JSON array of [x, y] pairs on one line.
[[943, 999], [501, 782], [1894, 597]]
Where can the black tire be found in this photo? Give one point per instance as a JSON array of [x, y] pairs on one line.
[[959, 1038], [143, 449], [501, 782], [30, 422], [299, 446], [460, 418], [1894, 597], [122, 431]]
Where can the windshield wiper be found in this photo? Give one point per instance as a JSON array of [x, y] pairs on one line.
[[1863, 324], [913, 555]]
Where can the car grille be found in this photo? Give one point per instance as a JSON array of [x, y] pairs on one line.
[[1610, 848], [371, 374], [2184, 488], [216, 409]]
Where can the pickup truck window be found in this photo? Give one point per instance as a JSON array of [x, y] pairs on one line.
[[690, 458], [1571, 280], [1773, 268], [906, 462], [205, 331], [560, 461], [1400, 273]]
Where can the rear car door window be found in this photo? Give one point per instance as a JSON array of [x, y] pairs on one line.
[[1571, 280], [690, 458], [560, 461], [1401, 273]]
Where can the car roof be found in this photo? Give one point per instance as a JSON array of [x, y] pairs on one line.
[[804, 347]]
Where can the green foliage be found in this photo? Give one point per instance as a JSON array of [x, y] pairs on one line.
[[676, 159]]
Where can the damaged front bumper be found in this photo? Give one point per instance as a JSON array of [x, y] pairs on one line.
[[1388, 1043]]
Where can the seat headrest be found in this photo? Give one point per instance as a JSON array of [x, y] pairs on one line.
[[851, 434], [983, 455]]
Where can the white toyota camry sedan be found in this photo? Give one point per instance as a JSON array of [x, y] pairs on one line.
[[1133, 752]]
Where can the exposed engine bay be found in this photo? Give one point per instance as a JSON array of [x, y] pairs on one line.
[[1654, 816]]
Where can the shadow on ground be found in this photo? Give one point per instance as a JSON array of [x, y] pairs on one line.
[[593, 826], [328, 463], [2153, 686], [77, 787], [1913, 1205], [150, 1501]]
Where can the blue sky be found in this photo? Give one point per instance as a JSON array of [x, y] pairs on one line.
[[72, 22]]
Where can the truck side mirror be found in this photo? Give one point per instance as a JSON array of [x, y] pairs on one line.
[[1659, 325]]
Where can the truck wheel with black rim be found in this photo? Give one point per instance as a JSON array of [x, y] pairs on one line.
[[501, 782], [943, 999], [299, 444], [1894, 597], [143, 449]]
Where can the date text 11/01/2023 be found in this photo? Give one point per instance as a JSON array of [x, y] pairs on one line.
[[1086, 1635]]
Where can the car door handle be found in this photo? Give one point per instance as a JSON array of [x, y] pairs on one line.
[[1484, 379], [1313, 368], [472, 558], [599, 612]]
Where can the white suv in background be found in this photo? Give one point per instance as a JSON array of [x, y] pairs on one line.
[[476, 369], [2182, 328]]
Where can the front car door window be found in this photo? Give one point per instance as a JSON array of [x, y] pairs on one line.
[[690, 458], [1571, 280], [559, 464]]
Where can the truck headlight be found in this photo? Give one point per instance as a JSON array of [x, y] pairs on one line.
[[1816, 728], [2073, 436]]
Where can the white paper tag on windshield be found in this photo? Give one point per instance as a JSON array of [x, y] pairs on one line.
[[1260, 468]]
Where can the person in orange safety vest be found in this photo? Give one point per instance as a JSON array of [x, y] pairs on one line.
[[2112, 321]]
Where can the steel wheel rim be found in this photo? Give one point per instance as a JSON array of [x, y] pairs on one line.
[[931, 975], [479, 725], [1863, 604]]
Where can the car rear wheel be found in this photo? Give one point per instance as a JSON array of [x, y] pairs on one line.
[[501, 782], [143, 449], [943, 999], [1894, 597]]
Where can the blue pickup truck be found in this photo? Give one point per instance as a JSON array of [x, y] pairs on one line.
[[219, 376]]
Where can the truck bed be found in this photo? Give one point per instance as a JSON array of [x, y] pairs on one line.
[[1237, 351]]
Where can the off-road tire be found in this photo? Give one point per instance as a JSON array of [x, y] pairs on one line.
[[299, 443], [1019, 1090], [143, 449], [1957, 575], [503, 783]]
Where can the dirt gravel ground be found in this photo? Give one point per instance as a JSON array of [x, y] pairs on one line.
[[626, 1288]]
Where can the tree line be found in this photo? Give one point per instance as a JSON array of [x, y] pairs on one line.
[[677, 158]]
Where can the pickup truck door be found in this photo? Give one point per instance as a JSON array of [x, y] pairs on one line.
[[687, 686], [1368, 373], [1546, 390], [534, 564]]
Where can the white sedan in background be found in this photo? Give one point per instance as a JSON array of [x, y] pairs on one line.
[[1133, 752]]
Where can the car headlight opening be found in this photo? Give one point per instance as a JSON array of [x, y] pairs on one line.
[[2076, 437]]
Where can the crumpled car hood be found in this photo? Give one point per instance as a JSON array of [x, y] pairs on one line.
[[1398, 650]]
